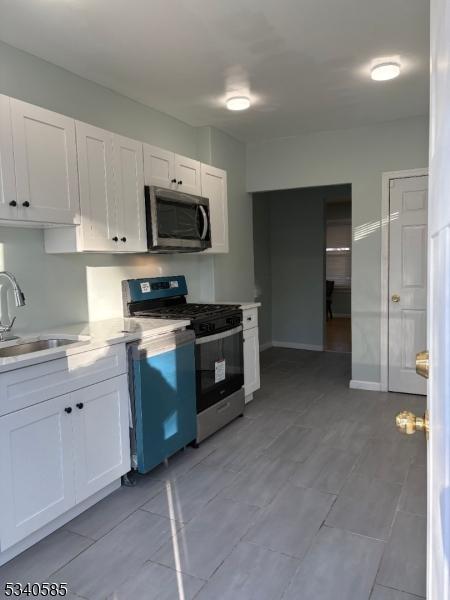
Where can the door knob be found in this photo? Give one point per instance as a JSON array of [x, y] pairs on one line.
[[408, 423], [422, 363], [395, 298]]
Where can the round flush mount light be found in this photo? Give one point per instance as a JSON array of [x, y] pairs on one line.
[[238, 103], [385, 71]]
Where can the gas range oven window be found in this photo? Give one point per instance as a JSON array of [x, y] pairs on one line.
[[219, 366]]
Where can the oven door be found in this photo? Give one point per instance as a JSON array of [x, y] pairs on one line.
[[219, 366], [176, 221]]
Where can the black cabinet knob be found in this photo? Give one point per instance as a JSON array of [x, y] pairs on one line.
[[13, 203], [115, 239], [123, 239], [180, 182], [68, 410], [173, 180], [26, 204], [80, 405]]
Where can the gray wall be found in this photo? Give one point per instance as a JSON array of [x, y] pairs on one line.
[[88, 286], [358, 156], [263, 264], [298, 267]]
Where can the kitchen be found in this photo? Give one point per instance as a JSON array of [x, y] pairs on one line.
[[147, 445]]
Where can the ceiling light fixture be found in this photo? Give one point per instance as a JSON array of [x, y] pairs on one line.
[[385, 71], [238, 103]]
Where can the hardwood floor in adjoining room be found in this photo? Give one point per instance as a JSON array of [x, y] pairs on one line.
[[313, 495], [338, 335]]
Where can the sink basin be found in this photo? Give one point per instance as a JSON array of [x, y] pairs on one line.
[[34, 346]]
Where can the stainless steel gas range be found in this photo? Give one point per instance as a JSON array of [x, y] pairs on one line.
[[219, 359]]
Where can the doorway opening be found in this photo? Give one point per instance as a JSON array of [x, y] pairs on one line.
[[338, 272], [302, 237]]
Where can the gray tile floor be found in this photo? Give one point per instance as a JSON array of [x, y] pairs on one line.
[[313, 495]]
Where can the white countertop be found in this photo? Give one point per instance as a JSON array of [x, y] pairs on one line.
[[89, 336], [243, 305]]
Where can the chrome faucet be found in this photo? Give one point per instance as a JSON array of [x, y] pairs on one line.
[[19, 300]]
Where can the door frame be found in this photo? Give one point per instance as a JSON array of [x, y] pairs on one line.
[[387, 177]]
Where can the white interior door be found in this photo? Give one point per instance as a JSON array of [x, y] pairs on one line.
[[408, 198], [438, 546]]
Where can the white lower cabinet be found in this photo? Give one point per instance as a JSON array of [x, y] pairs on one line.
[[36, 468], [251, 351], [57, 453], [101, 435], [251, 361]]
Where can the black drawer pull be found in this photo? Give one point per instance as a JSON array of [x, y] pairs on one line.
[[80, 405], [68, 410], [26, 204], [13, 203]]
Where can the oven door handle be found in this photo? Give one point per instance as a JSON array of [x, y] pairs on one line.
[[218, 336]]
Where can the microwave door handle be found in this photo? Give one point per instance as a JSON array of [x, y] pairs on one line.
[[205, 222]]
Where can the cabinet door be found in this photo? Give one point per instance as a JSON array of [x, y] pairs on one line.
[[129, 186], [214, 187], [159, 167], [251, 361], [7, 177], [36, 468], [45, 164], [101, 434], [187, 174], [97, 195]]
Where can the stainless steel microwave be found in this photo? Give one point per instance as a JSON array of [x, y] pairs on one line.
[[176, 221]]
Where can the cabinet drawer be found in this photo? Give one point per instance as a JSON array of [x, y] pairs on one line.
[[250, 318], [24, 387]]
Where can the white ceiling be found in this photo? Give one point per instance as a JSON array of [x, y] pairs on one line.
[[305, 63]]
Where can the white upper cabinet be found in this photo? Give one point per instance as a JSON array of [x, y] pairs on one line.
[[111, 177], [45, 164], [159, 167], [187, 175], [8, 198], [214, 187], [129, 185], [95, 167], [171, 171]]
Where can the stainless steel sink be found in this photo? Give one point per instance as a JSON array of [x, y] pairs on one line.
[[34, 346]]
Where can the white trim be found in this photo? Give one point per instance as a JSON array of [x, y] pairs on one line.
[[373, 386], [384, 258], [297, 346], [265, 346]]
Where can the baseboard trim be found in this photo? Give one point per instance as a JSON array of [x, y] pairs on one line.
[[341, 315], [373, 386], [265, 346], [296, 346]]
